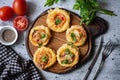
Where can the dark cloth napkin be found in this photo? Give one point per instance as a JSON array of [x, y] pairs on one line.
[[13, 67]]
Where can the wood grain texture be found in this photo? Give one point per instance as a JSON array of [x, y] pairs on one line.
[[57, 40]]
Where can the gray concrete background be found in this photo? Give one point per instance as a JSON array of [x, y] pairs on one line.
[[111, 69]]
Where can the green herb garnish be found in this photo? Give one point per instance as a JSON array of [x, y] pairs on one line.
[[50, 2], [68, 52], [58, 21], [42, 36], [71, 44], [39, 44], [71, 54], [73, 36], [65, 61], [88, 10], [44, 59]]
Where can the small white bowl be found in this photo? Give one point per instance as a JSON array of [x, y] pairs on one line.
[[2, 29]]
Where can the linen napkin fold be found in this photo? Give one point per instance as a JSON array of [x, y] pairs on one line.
[[13, 67]]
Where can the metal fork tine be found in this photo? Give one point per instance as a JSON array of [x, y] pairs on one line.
[[106, 47], [106, 52], [110, 49]]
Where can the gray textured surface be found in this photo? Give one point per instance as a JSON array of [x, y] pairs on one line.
[[111, 69]]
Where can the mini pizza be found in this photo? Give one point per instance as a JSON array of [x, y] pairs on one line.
[[58, 20], [39, 35], [68, 56], [77, 35], [44, 57]]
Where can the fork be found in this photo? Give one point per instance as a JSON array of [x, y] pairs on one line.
[[105, 53]]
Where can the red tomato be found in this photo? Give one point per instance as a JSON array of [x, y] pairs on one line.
[[6, 13], [20, 23], [20, 7]]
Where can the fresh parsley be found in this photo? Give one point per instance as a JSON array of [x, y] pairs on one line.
[[44, 59], [88, 10], [42, 36], [50, 2], [40, 44], [65, 61], [69, 52], [71, 44], [73, 36], [58, 21]]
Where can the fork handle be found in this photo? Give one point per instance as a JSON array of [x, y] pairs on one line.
[[99, 69]]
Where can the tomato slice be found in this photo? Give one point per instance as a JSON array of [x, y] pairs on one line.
[[20, 23]]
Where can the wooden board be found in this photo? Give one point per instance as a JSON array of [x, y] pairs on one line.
[[57, 40]]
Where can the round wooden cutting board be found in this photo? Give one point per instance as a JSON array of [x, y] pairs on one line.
[[57, 40]]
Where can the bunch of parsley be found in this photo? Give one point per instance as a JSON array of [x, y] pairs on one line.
[[50, 2], [87, 8]]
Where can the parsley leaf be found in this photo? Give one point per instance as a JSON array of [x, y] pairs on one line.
[[44, 59], [50, 2], [42, 36], [69, 52], [58, 21], [71, 44], [65, 61], [40, 44], [73, 36]]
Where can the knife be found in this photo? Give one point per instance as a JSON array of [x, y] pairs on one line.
[[94, 59]]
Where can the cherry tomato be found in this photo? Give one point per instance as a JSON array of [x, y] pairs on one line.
[[6, 13], [20, 7], [20, 23]]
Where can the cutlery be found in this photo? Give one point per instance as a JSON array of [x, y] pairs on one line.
[[94, 59], [105, 53]]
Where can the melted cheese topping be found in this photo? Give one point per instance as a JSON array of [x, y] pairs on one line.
[[44, 58], [67, 55], [58, 20], [77, 35], [39, 35]]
